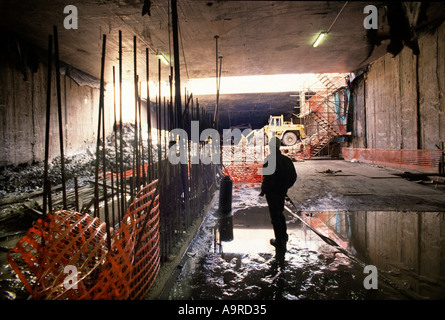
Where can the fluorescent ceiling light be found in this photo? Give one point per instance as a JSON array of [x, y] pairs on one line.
[[323, 34], [320, 37], [162, 58]]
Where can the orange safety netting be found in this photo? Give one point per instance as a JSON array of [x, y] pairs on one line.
[[70, 239], [129, 173], [422, 160], [244, 172]]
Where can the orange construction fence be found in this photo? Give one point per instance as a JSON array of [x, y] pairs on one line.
[[65, 254], [244, 172], [421, 160], [128, 173]]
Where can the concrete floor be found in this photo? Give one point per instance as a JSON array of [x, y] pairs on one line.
[[372, 214], [354, 216], [360, 186]]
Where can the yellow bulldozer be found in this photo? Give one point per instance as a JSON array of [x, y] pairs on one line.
[[287, 131]]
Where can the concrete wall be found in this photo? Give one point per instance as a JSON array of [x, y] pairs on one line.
[[23, 112], [399, 103]]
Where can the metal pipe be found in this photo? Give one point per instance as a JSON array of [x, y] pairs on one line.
[[333, 22]]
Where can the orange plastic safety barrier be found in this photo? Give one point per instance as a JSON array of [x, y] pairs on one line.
[[244, 172], [61, 239], [421, 160], [129, 173], [70, 239]]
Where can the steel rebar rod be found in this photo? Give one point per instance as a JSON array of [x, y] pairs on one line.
[[176, 64], [76, 194], [136, 140], [197, 110], [165, 130], [47, 125], [113, 210], [172, 119], [59, 108], [96, 169], [50, 201], [147, 218], [149, 143], [102, 108], [141, 140], [115, 145], [216, 79], [158, 135], [158, 113], [121, 146]]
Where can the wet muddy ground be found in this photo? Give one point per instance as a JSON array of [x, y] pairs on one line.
[[328, 248], [341, 185], [11, 230], [372, 215]]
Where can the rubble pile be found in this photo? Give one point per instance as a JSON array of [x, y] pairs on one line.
[[28, 177]]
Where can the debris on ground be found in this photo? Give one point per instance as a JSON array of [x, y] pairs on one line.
[[329, 171], [28, 177]]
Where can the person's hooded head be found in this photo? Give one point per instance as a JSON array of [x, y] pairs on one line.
[[274, 144]]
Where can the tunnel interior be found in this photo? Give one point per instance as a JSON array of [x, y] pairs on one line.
[[121, 119]]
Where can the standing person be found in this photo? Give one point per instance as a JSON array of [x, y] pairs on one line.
[[275, 187]]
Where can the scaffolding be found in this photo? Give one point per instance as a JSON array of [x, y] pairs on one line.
[[323, 115]]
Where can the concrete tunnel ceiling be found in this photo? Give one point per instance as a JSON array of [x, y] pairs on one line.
[[255, 37]]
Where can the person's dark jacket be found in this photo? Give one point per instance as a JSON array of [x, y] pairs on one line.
[[282, 179]]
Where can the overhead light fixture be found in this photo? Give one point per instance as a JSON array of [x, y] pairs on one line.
[[319, 38], [323, 34], [162, 58]]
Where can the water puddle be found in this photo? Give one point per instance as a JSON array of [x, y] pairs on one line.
[[231, 258]]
